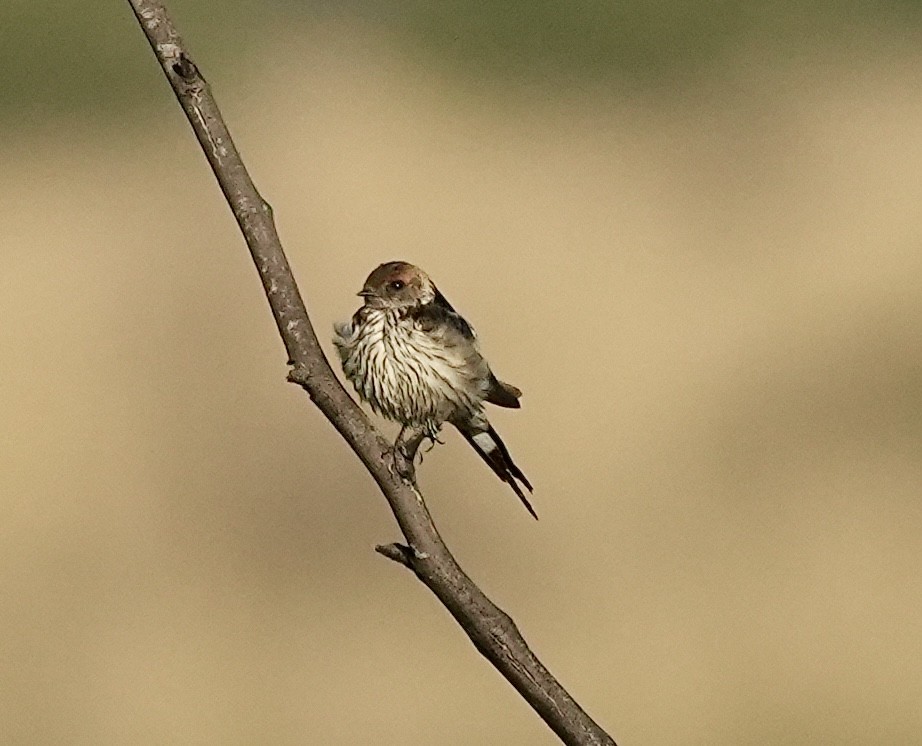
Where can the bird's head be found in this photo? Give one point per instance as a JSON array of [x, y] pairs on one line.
[[397, 285]]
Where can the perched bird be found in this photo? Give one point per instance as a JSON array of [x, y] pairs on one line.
[[416, 361]]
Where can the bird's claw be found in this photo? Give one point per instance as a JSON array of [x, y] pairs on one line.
[[433, 439], [406, 449]]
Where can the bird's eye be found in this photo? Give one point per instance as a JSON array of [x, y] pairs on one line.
[[396, 285]]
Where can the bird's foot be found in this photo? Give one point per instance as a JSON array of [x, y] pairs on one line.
[[431, 434], [433, 439], [407, 447]]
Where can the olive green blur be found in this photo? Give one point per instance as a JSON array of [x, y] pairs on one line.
[[690, 233]]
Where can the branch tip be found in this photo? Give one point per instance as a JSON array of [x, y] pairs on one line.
[[400, 553]]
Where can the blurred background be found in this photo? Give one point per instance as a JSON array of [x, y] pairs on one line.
[[690, 232]]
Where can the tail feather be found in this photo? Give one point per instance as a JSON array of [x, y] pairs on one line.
[[492, 450]]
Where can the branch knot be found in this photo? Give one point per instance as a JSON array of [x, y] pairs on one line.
[[185, 68]]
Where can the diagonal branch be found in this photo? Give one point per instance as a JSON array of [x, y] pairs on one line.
[[492, 631]]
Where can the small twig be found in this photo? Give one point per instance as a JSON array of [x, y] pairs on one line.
[[489, 628], [400, 553]]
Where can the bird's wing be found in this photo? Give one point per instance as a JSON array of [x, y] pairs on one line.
[[503, 394], [439, 314], [441, 310]]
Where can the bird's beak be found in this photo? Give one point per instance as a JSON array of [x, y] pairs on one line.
[[365, 293]]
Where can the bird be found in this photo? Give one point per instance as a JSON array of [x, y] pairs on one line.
[[417, 362]]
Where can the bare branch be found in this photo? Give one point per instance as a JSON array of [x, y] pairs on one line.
[[491, 630]]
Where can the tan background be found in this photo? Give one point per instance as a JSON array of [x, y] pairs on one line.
[[709, 286]]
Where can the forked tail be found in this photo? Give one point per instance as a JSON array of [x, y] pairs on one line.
[[492, 450]]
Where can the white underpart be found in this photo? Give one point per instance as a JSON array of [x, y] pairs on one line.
[[415, 377]]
